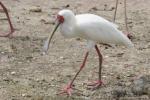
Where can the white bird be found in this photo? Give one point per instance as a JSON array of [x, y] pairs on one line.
[[94, 29]]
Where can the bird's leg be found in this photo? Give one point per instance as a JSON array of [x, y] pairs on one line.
[[127, 33], [99, 82], [115, 10], [68, 89], [9, 21], [125, 15]]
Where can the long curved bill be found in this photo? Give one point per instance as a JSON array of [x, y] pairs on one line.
[[47, 42]]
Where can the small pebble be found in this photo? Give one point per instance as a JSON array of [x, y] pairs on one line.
[[13, 73], [61, 57], [94, 8], [2, 52], [106, 56], [104, 76], [67, 6], [23, 95]]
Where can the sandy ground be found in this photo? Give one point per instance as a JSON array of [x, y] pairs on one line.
[[25, 74]]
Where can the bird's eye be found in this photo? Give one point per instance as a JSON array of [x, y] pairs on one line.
[[60, 18]]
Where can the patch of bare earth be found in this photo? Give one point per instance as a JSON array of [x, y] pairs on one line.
[[26, 74]]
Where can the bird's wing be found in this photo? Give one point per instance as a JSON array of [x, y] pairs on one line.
[[115, 25], [98, 29], [87, 17]]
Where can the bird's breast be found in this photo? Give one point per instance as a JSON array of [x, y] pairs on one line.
[[67, 31]]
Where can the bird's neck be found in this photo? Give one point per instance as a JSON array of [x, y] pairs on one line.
[[71, 22], [68, 28]]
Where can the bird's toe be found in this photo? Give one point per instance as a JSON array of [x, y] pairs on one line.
[[66, 90], [94, 85]]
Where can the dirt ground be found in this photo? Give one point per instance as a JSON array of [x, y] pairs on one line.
[[26, 74]]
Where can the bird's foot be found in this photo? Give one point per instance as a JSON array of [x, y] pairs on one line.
[[66, 90], [95, 85], [128, 35], [7, 35]]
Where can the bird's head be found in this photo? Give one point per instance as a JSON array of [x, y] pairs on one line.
[[62, 16]]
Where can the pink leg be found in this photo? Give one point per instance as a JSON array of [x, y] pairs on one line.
[[68, 89], [115, 10], [9, 21], [128, 34], [125, 13], [98, 83]]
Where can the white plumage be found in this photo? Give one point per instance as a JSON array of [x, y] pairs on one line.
[[93, 28]]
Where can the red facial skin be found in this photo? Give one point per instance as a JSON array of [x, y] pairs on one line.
[[60, 18]]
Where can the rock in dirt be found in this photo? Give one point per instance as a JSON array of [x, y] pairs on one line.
[[119, 92], [13, 73], [141, 85], [144, 97], [94, 8], [35, 9], [47, 20], [26, 95], [67, 6]]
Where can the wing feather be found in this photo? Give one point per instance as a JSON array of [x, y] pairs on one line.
[[98, 29]]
